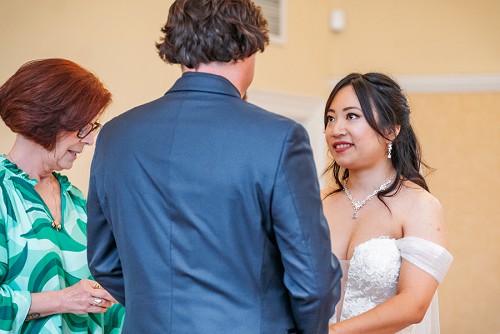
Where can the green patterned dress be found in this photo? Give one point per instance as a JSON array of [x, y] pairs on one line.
[[34, 257]]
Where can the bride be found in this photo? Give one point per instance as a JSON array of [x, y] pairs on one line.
[[386, 227]]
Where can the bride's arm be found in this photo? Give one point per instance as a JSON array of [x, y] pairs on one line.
[[415, 291]]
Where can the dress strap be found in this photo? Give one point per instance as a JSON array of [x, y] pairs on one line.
[[428, 256]]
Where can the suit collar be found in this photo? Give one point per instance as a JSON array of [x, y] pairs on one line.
[[205, 82]]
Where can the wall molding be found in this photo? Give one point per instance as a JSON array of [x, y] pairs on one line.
[[450, 83], [297, 107], [301, 108]]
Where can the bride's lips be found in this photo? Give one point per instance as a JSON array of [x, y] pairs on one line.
[[341, 146]]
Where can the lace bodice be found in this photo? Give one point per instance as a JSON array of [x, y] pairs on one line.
[[373, 271], [372, 277]]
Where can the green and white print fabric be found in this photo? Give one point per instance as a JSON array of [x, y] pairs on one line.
[[34, 257]]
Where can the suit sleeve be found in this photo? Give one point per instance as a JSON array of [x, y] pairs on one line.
[[102, 252], [312, 272]]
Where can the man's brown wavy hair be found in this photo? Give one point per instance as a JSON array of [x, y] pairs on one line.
[[203, 31]]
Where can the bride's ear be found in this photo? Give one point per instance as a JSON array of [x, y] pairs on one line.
[[393, 133]]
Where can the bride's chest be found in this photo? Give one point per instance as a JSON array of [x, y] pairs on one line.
[[371, 276], [374, 268]]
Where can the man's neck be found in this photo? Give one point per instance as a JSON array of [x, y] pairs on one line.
[[239, 73]]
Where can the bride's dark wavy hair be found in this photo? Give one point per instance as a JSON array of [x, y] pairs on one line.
[[378, 93]]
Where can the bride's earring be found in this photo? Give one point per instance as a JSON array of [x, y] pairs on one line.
[[389, 150]]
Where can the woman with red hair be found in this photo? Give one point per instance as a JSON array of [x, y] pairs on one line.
[[53, 106]]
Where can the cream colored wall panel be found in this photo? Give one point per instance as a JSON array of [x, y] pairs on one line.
[[460, 137], [301, 65], [418, 37]]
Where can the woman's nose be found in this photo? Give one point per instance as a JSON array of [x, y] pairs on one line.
[[336, 129], [88, 139]]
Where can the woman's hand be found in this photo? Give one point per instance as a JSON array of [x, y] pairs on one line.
[[85, 296]]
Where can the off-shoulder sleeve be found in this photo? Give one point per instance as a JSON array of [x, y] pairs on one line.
[[428, 256]]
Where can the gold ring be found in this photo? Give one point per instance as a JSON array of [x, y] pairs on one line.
[[97, 301], [97, 286]]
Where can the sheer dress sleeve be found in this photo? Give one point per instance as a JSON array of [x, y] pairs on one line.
[[428, 256], [435, 260]]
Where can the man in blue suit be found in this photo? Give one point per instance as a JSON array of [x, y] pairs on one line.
[[204, 210]]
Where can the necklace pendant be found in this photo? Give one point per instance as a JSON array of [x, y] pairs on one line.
[[56, 225], [357, 205]]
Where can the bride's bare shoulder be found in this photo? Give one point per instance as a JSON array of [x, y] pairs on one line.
[[423, 214], [419, 197]]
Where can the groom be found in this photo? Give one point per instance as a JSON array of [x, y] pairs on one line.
[[204, 210]]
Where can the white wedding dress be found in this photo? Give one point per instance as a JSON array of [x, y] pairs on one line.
[[371, 276]]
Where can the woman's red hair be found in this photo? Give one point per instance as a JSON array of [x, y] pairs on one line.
[[47, 97]]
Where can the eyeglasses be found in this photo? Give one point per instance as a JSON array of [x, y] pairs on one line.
[[84, 132]]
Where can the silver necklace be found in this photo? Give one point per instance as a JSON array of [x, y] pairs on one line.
[[359, 204]]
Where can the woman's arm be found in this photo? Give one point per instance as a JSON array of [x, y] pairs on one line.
[[414, 294], [83, 297]]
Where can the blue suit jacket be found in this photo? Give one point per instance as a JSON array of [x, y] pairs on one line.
[[205, 217]]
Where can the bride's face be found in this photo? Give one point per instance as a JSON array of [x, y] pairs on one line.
[[351, 140]]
